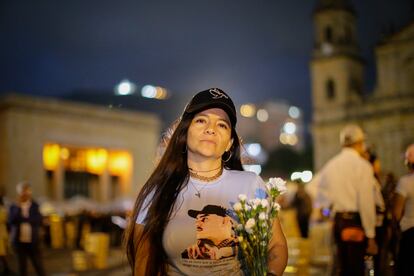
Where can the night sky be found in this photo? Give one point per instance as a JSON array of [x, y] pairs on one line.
[[254, 50]]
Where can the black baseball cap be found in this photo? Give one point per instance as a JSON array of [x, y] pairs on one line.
[[210, 98], [207, 210]]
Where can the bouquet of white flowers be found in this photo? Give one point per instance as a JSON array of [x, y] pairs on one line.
[[254, 230]]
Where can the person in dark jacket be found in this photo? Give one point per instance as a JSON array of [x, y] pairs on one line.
[[25, 222], [302, 202]]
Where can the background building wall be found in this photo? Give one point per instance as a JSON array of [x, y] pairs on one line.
[[29, 123], [386, 114]]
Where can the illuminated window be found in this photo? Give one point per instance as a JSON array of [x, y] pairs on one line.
[[51, 156]]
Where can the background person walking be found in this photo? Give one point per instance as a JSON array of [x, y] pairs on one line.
[[347, 185], [25, 221], [404, 214]]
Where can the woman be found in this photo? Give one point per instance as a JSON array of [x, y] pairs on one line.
[[182, 224], [404, 213]]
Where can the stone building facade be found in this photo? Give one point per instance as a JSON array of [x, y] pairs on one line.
[[66, 149], [337, 74]]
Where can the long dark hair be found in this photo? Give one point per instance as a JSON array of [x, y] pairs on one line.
[[163, 186]]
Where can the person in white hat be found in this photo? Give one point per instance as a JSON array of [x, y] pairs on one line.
[[347, 185], [404, 213]]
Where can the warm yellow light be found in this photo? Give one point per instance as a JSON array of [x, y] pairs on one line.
[[54, 218], [161, 93], [288, 139], [291, 269], [76, 165], [247, 110], [120, 163], [77, 160], [51, 156], [64, 153], [283, 138], [96, 160], [293, 139]]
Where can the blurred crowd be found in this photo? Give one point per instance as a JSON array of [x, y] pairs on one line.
[[371, 212], [27, 227]]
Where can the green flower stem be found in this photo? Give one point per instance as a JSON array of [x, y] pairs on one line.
[[254, 243]]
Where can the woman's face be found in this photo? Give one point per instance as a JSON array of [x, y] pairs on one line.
[[209, 135]]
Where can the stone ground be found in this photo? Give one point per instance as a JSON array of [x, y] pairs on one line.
[[59, 262]]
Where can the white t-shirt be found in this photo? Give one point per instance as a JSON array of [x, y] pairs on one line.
[[199, 238], [405, 188], [347, 182]]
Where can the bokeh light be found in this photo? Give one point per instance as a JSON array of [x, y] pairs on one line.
[[125, 87], [294, 112], [248, 110], [262, 115]]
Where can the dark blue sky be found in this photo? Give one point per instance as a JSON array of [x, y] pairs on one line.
[[255, 50]]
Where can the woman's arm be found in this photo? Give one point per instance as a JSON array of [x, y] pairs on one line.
[[141, 251], [278, 253], [398, 209]]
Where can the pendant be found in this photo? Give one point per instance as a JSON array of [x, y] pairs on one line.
[[198, 194]]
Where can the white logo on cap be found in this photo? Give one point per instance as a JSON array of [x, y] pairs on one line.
[[217, 94]]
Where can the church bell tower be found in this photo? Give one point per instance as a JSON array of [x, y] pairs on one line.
[[336, 72]]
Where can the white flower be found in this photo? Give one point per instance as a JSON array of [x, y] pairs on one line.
[[242, 197], [257, 213], [278, 183], [264, 203], [268, 186], [276, 206], [257, 201], [249, 225], [262, 216], [252, 203], [237, 207]]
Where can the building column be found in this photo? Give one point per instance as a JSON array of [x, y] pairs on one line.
[[105, 185], [59, 181]]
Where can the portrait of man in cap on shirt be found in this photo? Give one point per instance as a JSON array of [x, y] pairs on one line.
[[214, 232]]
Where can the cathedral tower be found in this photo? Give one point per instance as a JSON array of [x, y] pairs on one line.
[[336, 72], [387, 113]]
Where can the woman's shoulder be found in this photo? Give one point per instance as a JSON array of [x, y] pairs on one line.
[[238, 173], [245, 182], [243, 176]]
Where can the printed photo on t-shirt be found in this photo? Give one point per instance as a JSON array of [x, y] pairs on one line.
[[215, 234]]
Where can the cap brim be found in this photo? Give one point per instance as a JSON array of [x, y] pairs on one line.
[[193, 213], [203, 106]]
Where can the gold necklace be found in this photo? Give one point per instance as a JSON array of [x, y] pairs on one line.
[[191, 169], [205, 179]]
